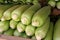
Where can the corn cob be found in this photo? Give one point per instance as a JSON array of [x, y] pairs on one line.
[[56, 35], [13, 24], [35, 2], [24, 1], [30, 30], [7, 13], [16, 33], [16, 14], [15, 0], [20, 27], [40, 16], [58, 5], [41, 32], [24, 35], [27, 15], [29, 1], [33, 38], [9, 32], [4, 25], [52, 3], [3, 1], [3, 8], [49, 33]]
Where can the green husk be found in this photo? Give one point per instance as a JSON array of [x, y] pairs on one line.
[[24, 1], [13, 24], [3, 8], [41, 32], [56, 35], [29, 1], [1, 1], [49, 35], [52, 3], [56, 0], [58, 5], [4, 26], [40, 16], [27, 15], [21, 27], [35, 2], [16, 0], [30, 30], [16, 14], [24, 35], [16, 33], [7, 13], [9, 32], [33, 38]]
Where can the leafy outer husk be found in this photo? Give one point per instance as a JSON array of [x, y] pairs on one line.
[[33, 38], [24, 1], [30, 30], [16, 33], [58, 5], [29, 1], [21, 27], [35, 2], [27, 15], [3, 8], [56, 0], [16, 14], [41, 32], [24, 35], [52, 3], [15, 0], [49, 33], [56, 35], [40, 16], [1, 1], [13, 24], [7, 13], [4, 25], [9, 32]]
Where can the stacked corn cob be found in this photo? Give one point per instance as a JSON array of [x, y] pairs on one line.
[[20, 1], [54, 3], [25, 20]]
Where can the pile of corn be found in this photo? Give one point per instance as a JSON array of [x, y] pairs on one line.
[[28, 21], [25, 20]]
